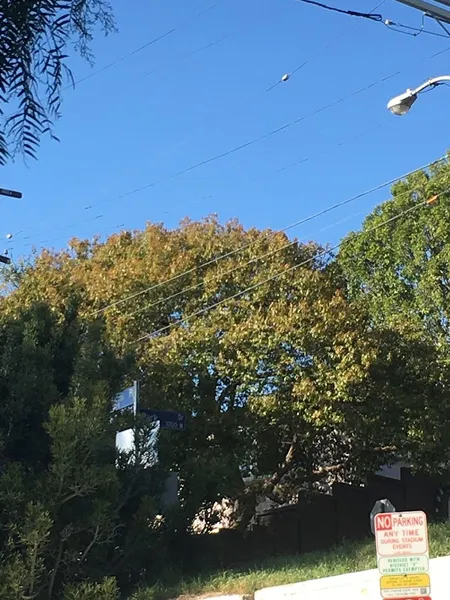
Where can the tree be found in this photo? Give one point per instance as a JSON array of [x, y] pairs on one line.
[[400, 274], [33, 44], [74, 517], [401, 271], [288, 382]]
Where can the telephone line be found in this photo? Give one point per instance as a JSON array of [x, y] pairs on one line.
[[301, 161], [234, 269], [143, 47], [284, 229], [378, 18], [274, 132], [239, 147], [351, 13], [280, 273]]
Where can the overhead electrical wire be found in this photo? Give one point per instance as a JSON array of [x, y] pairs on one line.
[[268, 134], [234, 269], [119, 60], [56, 239], [370, 16], [231, 151], [280, 80], [239, 147], [188, 55], [199, 285], [248, 245], [339, 144], [412, 31], [351, 13], [303, 160], [237, 295], [378, 18], [143, 47], [197, 165], [327, 46]]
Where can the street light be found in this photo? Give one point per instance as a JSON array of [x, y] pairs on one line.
[[401, 104]]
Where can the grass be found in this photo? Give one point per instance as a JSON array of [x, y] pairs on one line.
[[346, 558]]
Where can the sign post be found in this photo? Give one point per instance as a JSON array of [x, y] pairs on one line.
[[402, 555], [380, 506]]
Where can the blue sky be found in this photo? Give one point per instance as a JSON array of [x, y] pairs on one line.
[[200, 91]]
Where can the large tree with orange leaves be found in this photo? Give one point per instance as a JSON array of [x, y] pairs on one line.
[[281, 377]]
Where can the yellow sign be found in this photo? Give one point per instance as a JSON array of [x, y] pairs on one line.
[[416, 580]]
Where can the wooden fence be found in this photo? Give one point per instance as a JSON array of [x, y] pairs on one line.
[[317, 522]]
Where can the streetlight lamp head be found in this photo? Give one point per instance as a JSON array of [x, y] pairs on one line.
[[400, 105]]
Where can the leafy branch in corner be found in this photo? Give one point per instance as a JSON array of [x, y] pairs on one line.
[[34, 40]]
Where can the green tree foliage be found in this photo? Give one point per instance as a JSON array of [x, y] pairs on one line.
[[400, 274], [71, 511], [34, 40], [402, 271], [290, 382]]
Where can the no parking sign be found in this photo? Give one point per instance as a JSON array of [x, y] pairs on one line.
[[402, 555]]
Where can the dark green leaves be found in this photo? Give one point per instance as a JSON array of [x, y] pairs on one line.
[[34, 37]]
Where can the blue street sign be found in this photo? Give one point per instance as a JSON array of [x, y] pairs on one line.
[[168, 419], [126, 399]]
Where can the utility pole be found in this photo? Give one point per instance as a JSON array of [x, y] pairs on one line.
[[10, 194]]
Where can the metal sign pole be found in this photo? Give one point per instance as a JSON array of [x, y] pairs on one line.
[[136, 397]]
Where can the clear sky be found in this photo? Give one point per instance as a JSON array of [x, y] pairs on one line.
[[201, 91]]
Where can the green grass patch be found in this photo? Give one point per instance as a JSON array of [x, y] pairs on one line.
[[346, 558]]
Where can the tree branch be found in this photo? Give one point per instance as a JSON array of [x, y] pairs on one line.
[[91, 543], [58, 557]]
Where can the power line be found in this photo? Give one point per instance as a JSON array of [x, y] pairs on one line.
[[351, 13], [280, 80], [378, 18], [188, 55], [143, 47], [412, 31], [119, 60], [273, 132], [234, 269], [334, 41], [231, 271], [291, 165], [339, 144], [326, 47], [280, 273], [245, 246], [209, 45], [240, 147], [220, 156]]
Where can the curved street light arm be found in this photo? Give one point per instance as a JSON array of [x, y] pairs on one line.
[[430, 83]]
